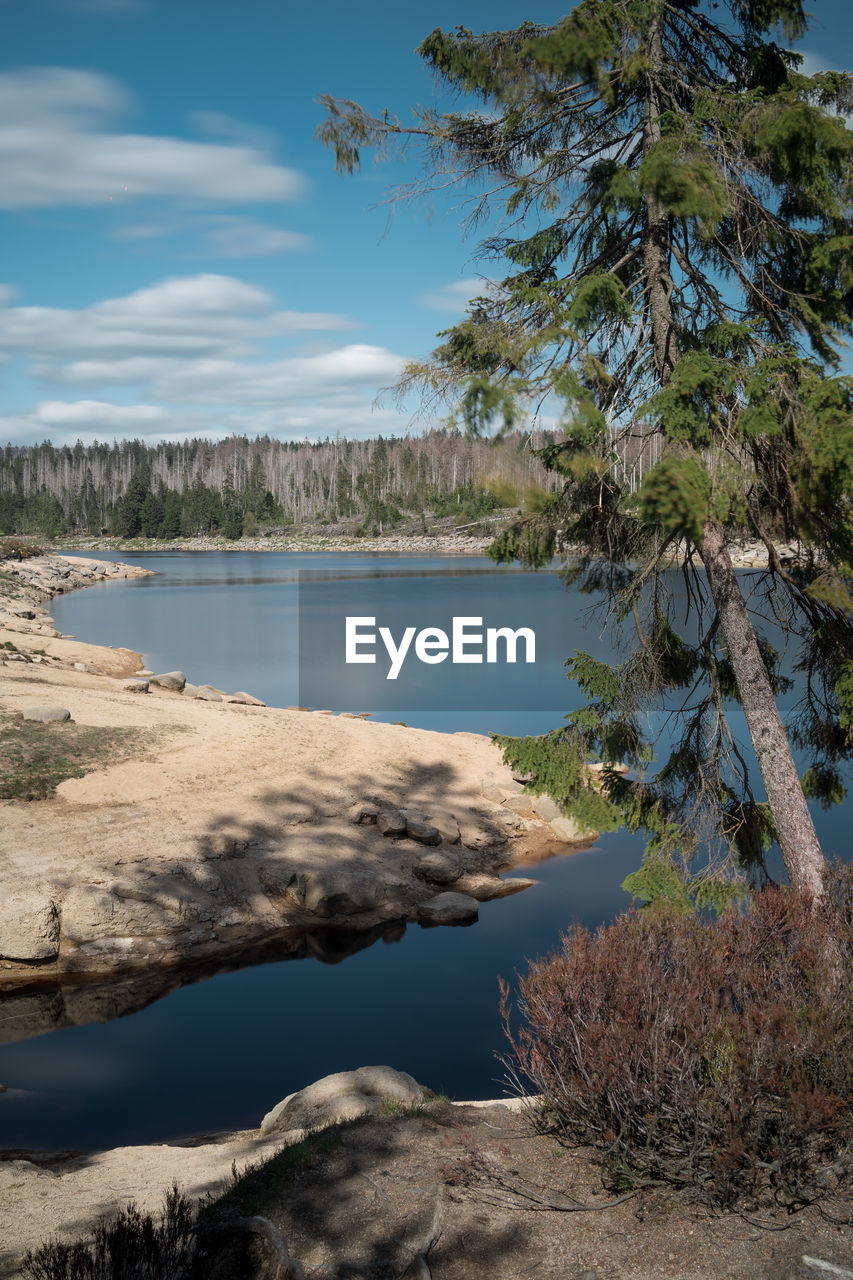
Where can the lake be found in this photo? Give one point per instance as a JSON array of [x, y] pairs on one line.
[[217, 1054]]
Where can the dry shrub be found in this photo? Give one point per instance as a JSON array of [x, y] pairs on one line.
[[713, 1055], [19, 549], [129, 1246]]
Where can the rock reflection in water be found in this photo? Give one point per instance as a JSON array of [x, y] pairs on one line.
[[36, 1009]]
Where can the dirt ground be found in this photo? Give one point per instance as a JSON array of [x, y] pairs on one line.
[[469, 1191]]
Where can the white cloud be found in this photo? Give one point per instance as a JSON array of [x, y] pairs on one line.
[[201, 315], [332, 376], [63, 421], [88, 420], [196, 355], [56, 148], [242, 238], [456, 295]]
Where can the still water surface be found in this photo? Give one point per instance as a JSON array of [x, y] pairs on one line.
[[218, 1054]]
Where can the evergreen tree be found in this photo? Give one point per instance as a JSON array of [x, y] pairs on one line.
[[128, 518], [675, 199]]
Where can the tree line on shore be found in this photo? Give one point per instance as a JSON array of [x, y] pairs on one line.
[[236, 486]]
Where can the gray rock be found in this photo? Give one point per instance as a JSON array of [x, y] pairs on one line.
[[438, 869], [48, 714], [135, 685], [246, 699], [417, 828], [365, 815], [522, 805], [29, 926], [174, 680], [391, 822], [570, 831], [340, 892], [449, 908], [206, 693], [190, 690], [546, 809], [343, 1096]]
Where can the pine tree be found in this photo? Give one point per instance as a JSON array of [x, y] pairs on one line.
[[675, 203]]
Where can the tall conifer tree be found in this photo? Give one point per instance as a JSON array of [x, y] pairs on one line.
[[675, 227]]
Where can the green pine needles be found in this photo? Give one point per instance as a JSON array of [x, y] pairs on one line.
[[673, 209]]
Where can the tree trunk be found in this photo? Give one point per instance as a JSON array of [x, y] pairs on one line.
[[801, 851]]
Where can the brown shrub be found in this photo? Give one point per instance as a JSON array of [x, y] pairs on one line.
[[19, 549], [714, 1055]]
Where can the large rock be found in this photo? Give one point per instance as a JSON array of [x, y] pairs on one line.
[[418, 828], [50, 713], [343, 1096], [174, 680], [571, 831], [391, 822], [449, 908], [340, 891], [135, 684], [206, 693], [546, 809], [438, 869], [246, 699], [29, 927]]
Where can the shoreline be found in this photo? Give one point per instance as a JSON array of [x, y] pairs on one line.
[[380, 825], [744, 555]]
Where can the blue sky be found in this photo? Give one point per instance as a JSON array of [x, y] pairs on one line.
[[179, 256]]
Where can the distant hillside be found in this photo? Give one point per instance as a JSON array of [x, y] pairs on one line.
[[238, 485]]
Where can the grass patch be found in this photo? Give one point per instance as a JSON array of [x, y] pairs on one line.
[[256, 1187], [35, 758]]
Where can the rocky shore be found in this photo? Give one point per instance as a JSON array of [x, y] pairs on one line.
[[745, 555], [232, 832], [413, 544]]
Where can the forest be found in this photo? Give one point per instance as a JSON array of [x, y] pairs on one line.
[[239, 486]]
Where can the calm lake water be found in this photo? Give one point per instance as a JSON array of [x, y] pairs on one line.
[[218, 1054]]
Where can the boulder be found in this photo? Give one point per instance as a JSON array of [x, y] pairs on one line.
[[417, 828], [365, 815], [340, 892], [343, 1096], [449, 908], [522, 805], [174, 680], [50, 713], [135, 685], [485, 888], [246, 699], [206, 693], [29, 927], [391, 822], [546, 809], [438, 869], [570, 831]]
